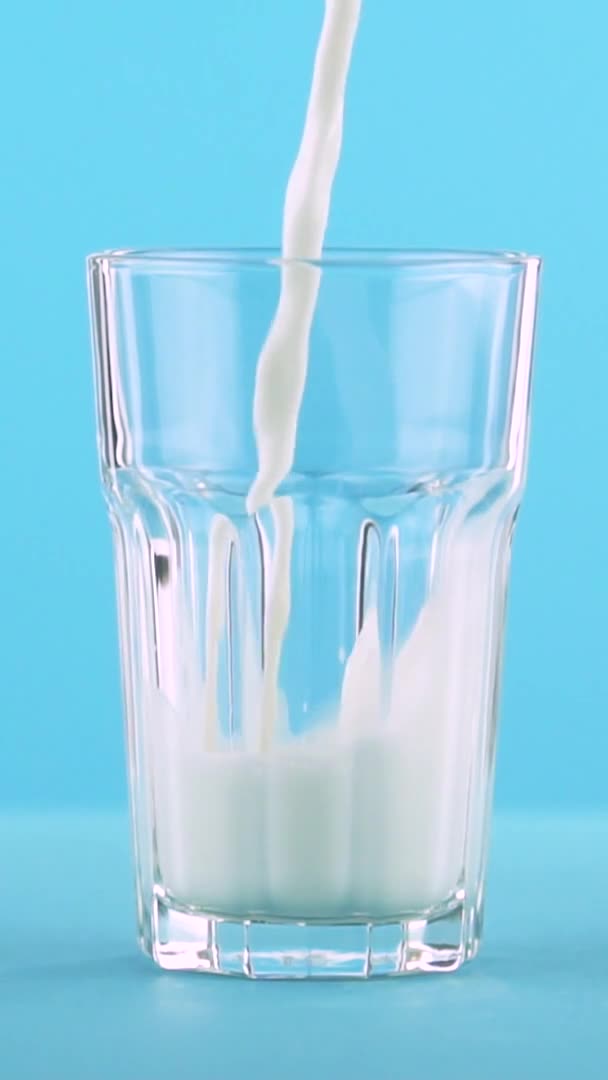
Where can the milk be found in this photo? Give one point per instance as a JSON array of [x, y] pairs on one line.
[[333, 830], [281, 372], [366, 816], [283, 362]]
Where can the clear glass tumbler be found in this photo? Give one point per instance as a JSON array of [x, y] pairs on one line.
[[346, 833]]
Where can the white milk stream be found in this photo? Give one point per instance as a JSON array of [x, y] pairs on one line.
[[367, 816], [283, 362]]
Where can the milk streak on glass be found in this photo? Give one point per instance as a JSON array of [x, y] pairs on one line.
[[366, 814]]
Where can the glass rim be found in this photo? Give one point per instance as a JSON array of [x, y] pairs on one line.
[[261, 258]]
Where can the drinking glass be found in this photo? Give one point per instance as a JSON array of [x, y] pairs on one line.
[[321, 811]]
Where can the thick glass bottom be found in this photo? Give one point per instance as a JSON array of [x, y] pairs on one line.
[[182, 940]]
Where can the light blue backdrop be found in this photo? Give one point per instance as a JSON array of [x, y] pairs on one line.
[[469, 125]]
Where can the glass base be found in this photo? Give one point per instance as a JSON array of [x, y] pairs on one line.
[[182, 940]]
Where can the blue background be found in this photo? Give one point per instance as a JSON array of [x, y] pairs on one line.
[[146, 123], [468, 125]]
